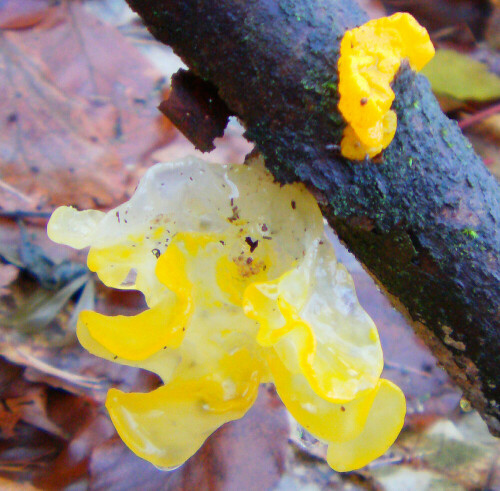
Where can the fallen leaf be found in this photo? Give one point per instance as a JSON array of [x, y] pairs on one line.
[[8, 421], [73, 369], [30, 451], [457, 75], [22, 401], [77, 120], [119, 77], [114, 467], [21, 15], [86, 301], [485, 137], [89, 427], [50, 273], [52, 354], [492, 34], [246, 454], [31, 408], [8, 273], [9, 374], [49, 151]]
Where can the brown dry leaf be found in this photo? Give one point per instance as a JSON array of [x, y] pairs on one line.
[[8, 273], [76, 118], [114, 467], [22, 401], [492, 35], [246, 454], [20, 15], [90, 429], [24, 448], [73, 369], [485, 136], [30, 451], [118, 77], [31, 408], [72, 427], [49, 358], [8, 421], [84, 121], [49, 151], [9, 375]]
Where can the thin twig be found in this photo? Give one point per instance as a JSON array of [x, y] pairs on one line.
[[479, 116], [14, 191], [20, 214], [403, 368]]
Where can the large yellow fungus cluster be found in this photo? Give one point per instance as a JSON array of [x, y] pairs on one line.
[[370, 56], [242, 288]]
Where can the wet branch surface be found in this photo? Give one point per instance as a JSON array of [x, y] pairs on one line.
[[423, 219]]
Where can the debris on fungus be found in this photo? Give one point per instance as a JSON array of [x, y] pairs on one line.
[[370, 56], [242, 289]]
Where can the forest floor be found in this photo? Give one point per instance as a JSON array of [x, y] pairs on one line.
[[80, 84]]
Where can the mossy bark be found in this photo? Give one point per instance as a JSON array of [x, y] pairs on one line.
[[423, 218]]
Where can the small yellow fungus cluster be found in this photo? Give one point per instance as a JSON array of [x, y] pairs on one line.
[[370, 56], [242, 288]]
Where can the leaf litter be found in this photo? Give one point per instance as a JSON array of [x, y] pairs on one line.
[[77, 122], [78, 126]]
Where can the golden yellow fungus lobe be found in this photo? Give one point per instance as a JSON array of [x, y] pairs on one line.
[[370, 56], [242, 288]]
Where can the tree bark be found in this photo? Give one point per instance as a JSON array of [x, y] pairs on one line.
[[423, 218]]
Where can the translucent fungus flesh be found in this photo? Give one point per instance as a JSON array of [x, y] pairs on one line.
[[370, 56], [242, 288]]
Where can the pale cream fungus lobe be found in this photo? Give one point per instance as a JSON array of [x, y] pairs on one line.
[[242, 288], [370, 56]]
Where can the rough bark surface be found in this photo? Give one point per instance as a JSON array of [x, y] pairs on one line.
[[423, 219]]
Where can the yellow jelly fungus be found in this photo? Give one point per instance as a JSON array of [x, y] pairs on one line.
[[370, 56], [242, 288]]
